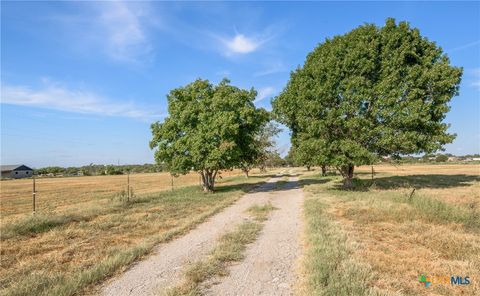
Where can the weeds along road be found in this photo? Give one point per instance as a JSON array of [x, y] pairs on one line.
[[269, 261]]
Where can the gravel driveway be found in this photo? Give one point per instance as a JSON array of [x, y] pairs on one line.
[[163, 268], [269, 264]]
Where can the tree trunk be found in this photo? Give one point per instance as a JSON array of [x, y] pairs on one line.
[[246, 171], [347, 173], [208, 180], [324, 170], [263, 168], [308, 168]]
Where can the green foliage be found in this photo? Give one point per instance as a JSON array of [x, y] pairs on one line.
[[273, 159], [262, 154], [441, 158], [303, 154], [112, 170], [371, 92], [99, 169], [209, 128], [50, 170]]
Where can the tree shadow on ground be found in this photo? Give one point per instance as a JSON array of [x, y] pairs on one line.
[[431, 181], [313, 181], [261, 185]]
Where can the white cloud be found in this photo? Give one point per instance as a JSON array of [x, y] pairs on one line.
[[57, 97], [242, 44], [264, 93]]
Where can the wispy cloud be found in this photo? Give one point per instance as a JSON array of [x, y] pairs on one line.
[[264, 93], [57, 97], [273, 68], [476, 80], [124, 30], [223, 73], [119, 30], [461, 47]]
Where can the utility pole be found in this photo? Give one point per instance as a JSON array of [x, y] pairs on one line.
[[33, 192]]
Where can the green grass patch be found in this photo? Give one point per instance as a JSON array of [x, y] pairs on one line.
[[330, 267], [260, 212]]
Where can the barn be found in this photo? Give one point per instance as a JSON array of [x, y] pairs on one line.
[[16, 171]]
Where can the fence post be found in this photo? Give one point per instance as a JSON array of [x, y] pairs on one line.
[[128, 186], [33, 193]]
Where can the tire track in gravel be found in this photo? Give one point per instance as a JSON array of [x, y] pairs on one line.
[[270, 262], [163, 268]]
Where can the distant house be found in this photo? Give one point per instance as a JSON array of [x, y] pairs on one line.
[[16, 171], [472, 159]]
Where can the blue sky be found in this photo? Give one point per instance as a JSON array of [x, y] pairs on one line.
[[82, 81]]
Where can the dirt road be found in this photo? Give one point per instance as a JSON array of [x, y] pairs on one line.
[[266, 270], [269, 264]]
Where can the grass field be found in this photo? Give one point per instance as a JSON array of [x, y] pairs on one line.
[[66, 250], [73, 193], [377, 240], [374, 240]]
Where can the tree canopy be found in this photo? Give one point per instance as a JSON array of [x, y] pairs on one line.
[[375, 91], [209, 128]]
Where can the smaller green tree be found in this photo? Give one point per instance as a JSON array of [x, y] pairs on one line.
[[209, 128], [274, 160], [441, 158], [265, 142]]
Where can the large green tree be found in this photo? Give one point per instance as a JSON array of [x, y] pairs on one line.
[[374, 91], [209, 128]]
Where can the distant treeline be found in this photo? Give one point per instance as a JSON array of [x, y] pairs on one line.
[[99, 169], [272, 160], [435, 158]]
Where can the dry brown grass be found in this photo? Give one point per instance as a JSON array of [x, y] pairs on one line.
[[70, 193], [396, 239], [67, 257], [423, 169], [438, 180]]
